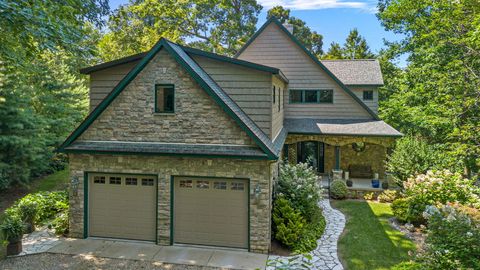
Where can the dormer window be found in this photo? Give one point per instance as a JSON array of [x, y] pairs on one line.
[[164, 98], [368, 95]]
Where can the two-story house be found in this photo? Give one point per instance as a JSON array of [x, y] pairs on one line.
[[183, 146]]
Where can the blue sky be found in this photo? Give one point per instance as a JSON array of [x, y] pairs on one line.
[[332, 18]]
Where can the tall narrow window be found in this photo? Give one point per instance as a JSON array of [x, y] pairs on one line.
[[273, 95], [164, 98], [279, 98]]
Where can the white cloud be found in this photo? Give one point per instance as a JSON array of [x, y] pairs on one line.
[[318, 4]]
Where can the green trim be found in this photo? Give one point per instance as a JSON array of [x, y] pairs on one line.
[[137, 69], [163, 154], [302, 96], [313, 57], [155, 94], [85, 201], [172, 190], [117, 62], [156, 211], [337, 157], [86, 180], [172, 182]]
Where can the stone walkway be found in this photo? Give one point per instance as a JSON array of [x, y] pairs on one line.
[[38, 241], [324, 257]]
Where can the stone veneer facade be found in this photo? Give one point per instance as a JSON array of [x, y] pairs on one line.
[[260, 173], [375, 152]]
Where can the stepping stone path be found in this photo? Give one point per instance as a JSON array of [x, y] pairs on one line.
[[324, 257], [38, 241]]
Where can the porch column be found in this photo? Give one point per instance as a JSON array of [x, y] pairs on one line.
[[337, 157]]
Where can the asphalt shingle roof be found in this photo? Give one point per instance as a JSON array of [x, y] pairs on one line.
[[340, 127], [356, 72], [166, 148]]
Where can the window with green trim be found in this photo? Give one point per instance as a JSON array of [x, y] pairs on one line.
[[273, 94], [164, 98], [311, 96]]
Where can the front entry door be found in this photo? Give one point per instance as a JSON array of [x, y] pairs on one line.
[[312, 153]]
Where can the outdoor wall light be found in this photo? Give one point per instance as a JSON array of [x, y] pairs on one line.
[[75, 182], [256, 191]]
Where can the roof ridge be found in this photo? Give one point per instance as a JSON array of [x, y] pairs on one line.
[[338, 60]]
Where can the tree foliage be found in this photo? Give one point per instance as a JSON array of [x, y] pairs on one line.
[[42, 96], [355, 47], [222, 26], [436, 95], [312, 40]]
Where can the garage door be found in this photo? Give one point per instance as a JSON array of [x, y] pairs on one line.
[[122, 206], [211, 212]]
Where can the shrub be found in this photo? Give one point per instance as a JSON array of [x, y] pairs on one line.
[[387, 196], [453, 238], [369, 196], [435, 188], [60, 224], [338, 189], [298, 184], [12, 227], [312, 232], [411, 265], [288, 222], [413, 156], [401, 210]]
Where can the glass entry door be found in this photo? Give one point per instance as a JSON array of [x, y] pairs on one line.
[[311, 153]]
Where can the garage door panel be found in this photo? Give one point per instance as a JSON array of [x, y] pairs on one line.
[[122, 211], [211, 212]]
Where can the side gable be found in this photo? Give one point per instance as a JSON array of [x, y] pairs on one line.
[[199, 76], [274, 45]]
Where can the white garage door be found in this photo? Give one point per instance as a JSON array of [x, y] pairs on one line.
[[122, 206], [211, 211]]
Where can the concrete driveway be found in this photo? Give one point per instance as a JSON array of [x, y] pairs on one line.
[[117, 249]]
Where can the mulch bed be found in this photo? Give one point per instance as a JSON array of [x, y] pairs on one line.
[[278, 249]]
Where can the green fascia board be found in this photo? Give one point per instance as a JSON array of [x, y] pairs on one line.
[[137, 69], [313, 57]]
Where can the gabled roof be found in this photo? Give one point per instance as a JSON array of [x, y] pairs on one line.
[[356, 72], [201, 77], [313, 57], [190, 51]]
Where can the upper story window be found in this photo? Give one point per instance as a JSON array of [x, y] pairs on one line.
[[279, 98], [368, 95], [311, 96], [164, 98], [273, 94]]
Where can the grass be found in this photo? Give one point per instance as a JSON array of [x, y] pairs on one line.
[[369, 242]]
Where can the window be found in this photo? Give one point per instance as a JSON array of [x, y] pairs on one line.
[[219, 185], [147, 182], [273, 95], [186, 184], [131, 181], [114, 180], [368, 95], [203, 184], [326, 96], [99, 179], [237, 186], [279, 98], [311, 96], [164, 98]]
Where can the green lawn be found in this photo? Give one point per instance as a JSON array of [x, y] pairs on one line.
[[369, 242]]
